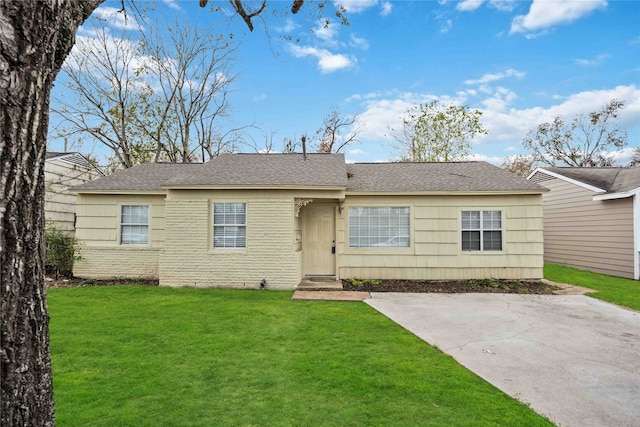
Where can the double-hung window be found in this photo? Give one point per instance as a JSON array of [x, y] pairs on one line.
[[383, 226], [230, 225], [481, 230], [134, 225]]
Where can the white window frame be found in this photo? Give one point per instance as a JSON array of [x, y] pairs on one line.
[[229, 225], [484, 227], [400, 238], [126, 225]]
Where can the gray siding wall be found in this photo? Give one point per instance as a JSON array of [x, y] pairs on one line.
[[60, 204], [587, 234]]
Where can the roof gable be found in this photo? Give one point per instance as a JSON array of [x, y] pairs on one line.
[[73, 158], [606, 180]]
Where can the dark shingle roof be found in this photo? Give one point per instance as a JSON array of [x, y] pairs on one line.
[[612, 180], [427, 177], [147, 177], [318, 170], [324, 170], [53, 154]]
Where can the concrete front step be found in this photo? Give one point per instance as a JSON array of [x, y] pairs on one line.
[[330, 295], [308, 284]]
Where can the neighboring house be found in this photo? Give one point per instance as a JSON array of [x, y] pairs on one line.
[[62, 171], [242, 218], [592, 218]]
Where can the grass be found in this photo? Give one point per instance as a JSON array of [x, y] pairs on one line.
[[148, 356], [625, 292]]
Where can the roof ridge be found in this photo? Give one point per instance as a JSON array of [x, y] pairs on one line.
[[613, 181], [417, 163]]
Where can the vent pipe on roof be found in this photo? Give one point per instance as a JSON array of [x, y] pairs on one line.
[[304, 147]]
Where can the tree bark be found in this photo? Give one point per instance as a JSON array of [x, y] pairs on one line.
[[35, 38]]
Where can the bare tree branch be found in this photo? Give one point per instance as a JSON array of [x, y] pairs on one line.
[[583, 142]]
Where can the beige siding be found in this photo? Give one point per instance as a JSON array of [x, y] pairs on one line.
[[435, 252], [587, 234], [60, 204], [98, 231], [272, 252]]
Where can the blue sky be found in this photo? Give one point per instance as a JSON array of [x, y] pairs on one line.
[[520, 62]]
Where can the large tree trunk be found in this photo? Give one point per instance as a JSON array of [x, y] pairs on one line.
[[35, 38]]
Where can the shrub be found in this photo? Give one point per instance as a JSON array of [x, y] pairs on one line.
[[362, 282], [60, 251]]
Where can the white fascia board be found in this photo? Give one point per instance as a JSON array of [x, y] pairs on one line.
[[612, 196], [533, 173], [567, 179]]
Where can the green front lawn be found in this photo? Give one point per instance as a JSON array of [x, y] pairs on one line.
[[625, 292], [145, 356]]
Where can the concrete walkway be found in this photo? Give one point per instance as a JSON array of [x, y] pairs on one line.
[[574, 359]]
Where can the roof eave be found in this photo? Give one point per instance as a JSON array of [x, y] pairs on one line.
[[621, 195], [252, 187], [120, 191], [446, 193]]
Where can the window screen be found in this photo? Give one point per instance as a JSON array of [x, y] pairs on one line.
[[134, 225], [229, 225], [379, 227]]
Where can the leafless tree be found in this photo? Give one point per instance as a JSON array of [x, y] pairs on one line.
[[519, 164], [635, 158], [330, 134], [192, 69], [158, 99], [585, 141], [103, 96]]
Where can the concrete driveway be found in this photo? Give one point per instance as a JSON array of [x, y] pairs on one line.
[[574, 359]]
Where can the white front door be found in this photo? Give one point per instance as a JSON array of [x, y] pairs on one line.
[[318, 239]]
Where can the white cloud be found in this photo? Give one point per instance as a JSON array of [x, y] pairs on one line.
[[327, 62], [356, 152], [492, 77], [448, 24], [288, 27], [357, 6], [116, 18], [259, 97], [591, 62], [622, 157], [327, 33], [500, 100], [386, 8], [495, 160], [510, 124], [544, 14], [469, 5], [359, 42], [173, 4], [503, 5], [383, 112]]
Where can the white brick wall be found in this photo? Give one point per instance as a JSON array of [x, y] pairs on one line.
[[190, 260], [107, 263]]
